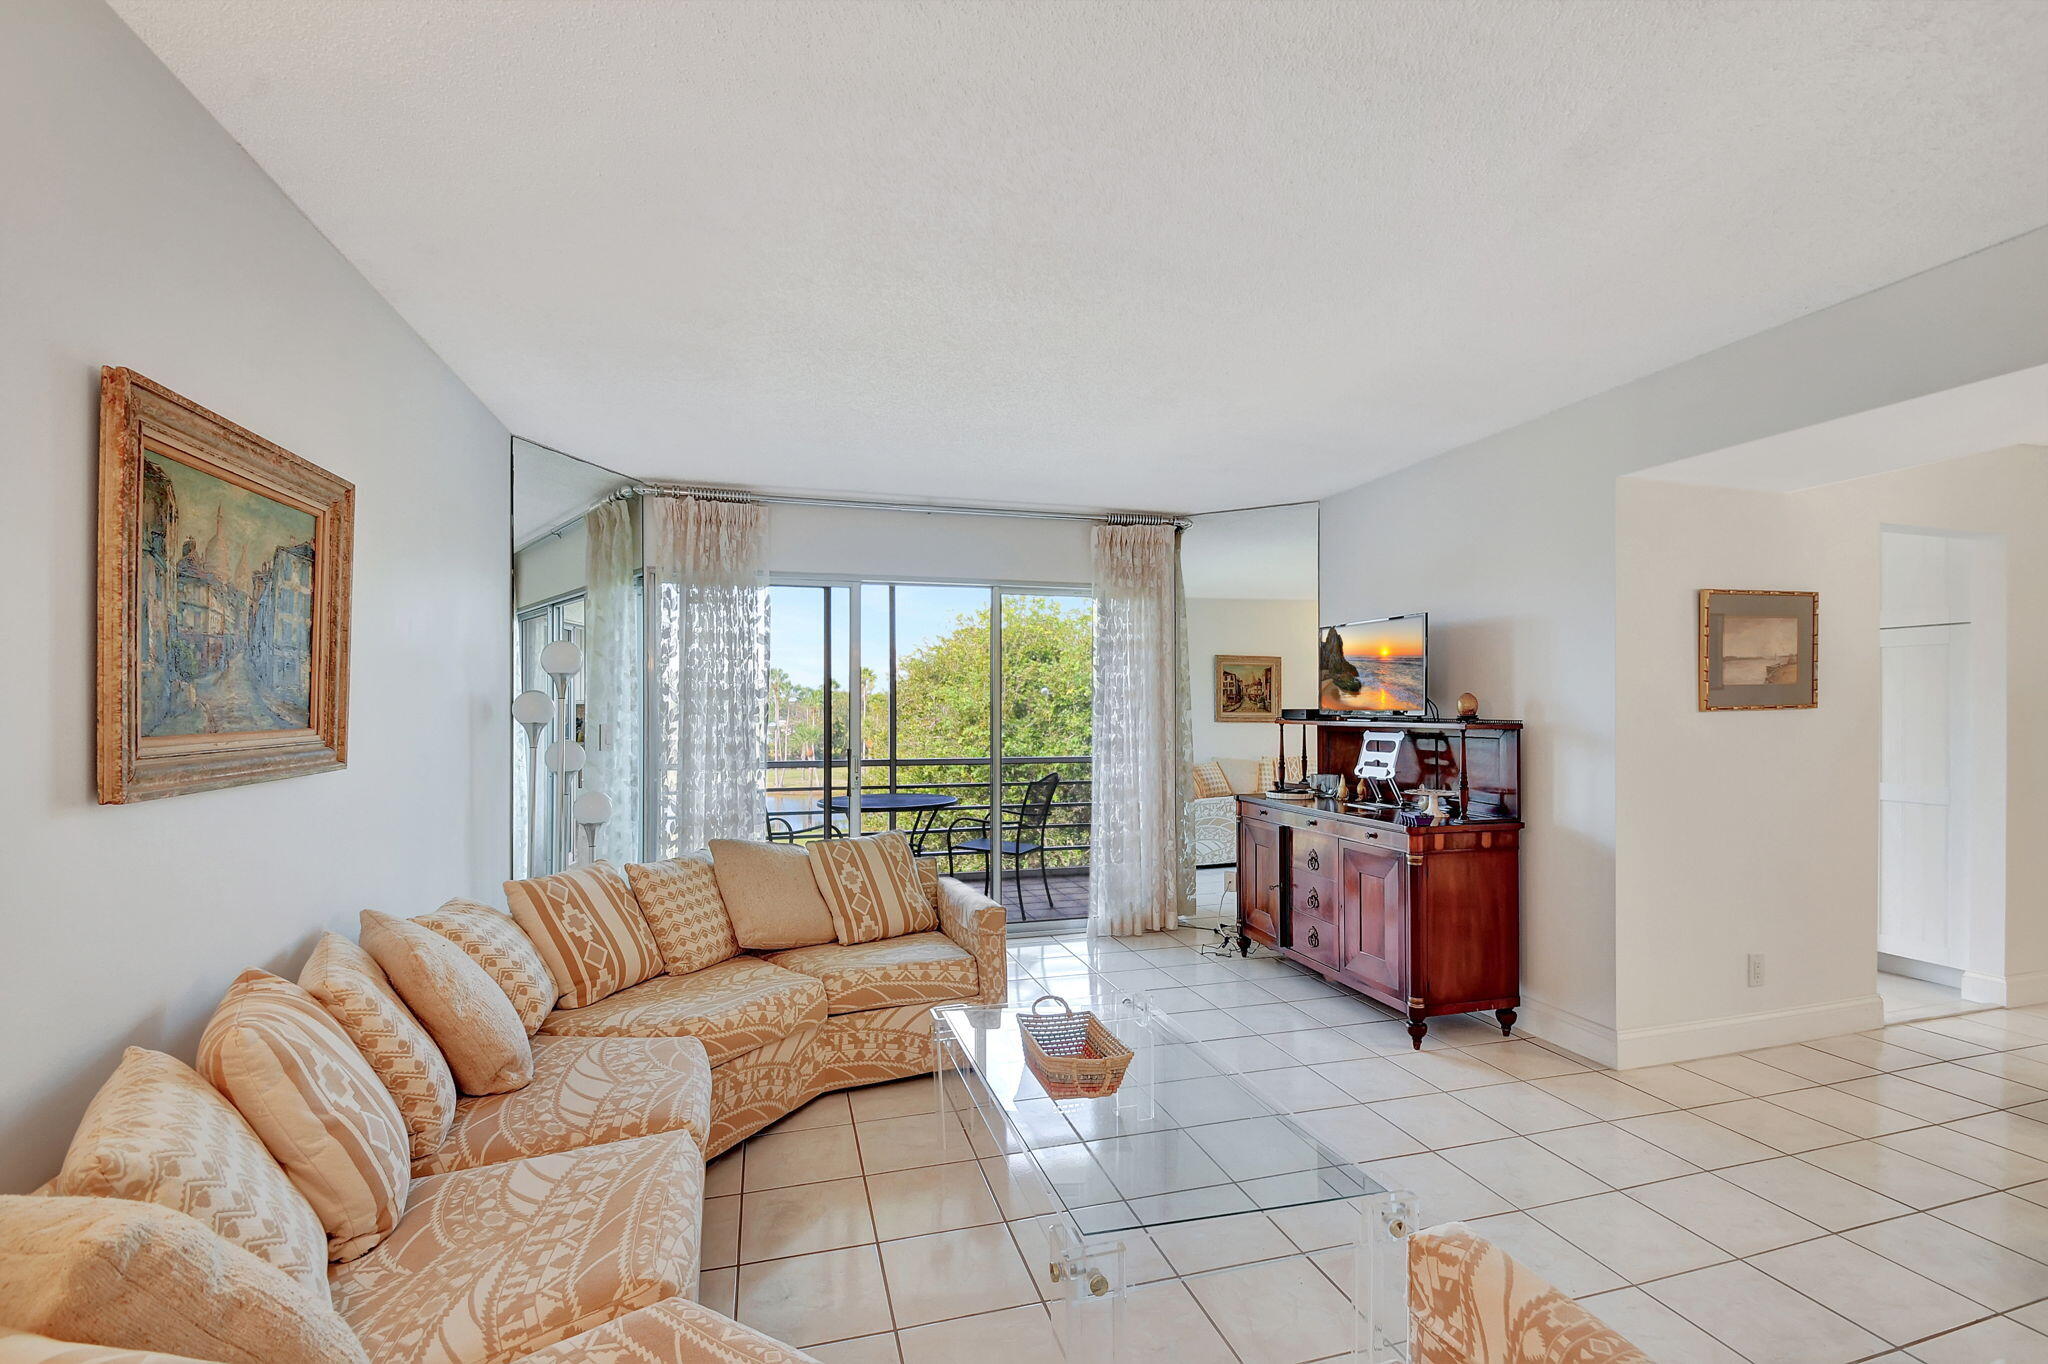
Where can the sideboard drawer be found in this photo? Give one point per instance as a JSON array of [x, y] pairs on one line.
[[1314, 895], [1314, 855], [1317, 938]]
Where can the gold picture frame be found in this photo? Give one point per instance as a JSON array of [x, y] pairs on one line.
[[225, 566], [1247, 688], [1758, 650]]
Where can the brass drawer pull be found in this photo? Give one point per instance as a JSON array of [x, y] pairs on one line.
[[1315, 860], [1315, 938], [1314, 900]]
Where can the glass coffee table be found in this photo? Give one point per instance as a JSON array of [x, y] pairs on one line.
[[1185, 1138]]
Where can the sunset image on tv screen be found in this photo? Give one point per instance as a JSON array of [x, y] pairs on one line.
[[1375, 665]]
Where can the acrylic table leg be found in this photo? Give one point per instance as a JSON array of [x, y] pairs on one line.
[[1087, 1302], [1379, 1274], [947, 1064]]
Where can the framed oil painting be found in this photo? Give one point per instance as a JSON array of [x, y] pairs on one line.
[[1759, 650], [224, 571], [1247, 687]]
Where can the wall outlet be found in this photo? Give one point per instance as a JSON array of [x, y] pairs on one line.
[[1756, 969]]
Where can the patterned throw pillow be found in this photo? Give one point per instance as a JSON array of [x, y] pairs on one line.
[[114, 1273], [589, 930], [1208, 780], [928, 877], [350, 986], [462, 1009], [872, 888], [507, 956], [685, 912], [158, 1133], [292, 1071]]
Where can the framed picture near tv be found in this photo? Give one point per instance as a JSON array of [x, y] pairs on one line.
[[1247, 687], [1377, 667]]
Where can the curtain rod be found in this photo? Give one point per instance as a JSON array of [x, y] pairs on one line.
[[632, 490]]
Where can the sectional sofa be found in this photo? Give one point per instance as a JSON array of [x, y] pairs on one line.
[[477, 1137]]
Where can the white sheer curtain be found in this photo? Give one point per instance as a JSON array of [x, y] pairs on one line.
[[705, 563], [1142, 871], [611, 676]]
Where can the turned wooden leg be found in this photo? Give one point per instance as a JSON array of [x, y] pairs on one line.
[[1507, 1021], [1417, 1029]]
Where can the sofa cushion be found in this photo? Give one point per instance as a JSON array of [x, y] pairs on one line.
[[589, 930], [138, 1276], [871, 887], [673, 1330], [489, 1264], [1207, 781], [585, 1091], [494, 942], [732, 1007], [351, 987], [290, 1070], [923, 968], [462, 1009], [24, 1347], [684, 911], [158, 1133], [770, 895]]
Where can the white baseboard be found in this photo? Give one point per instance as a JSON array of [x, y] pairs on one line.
[[1913, 968], [2013, 992], [1745, 1032], [1577, 1034]]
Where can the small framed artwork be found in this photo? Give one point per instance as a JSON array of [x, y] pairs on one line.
[[1247, 687], [1759, 650], [224, 574]]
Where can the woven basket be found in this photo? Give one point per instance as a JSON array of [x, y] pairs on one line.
[[1073, 1055]]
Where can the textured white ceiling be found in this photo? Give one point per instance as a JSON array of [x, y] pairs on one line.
[[1164, 255]]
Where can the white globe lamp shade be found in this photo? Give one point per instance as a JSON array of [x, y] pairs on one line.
[[564, 755], [533, 708], [591, 808], [562, 658]]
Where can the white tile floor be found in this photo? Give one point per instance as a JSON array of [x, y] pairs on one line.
[[1907, 1000], [1881, 1196]]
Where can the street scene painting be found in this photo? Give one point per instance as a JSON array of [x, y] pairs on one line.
[[226, 565], [225, 605]]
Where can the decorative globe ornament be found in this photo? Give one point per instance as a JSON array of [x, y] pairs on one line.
[[1468, 705]]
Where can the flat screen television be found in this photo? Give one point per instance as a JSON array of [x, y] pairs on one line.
[[1377, 667]]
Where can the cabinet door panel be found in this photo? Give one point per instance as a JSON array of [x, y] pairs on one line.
[[1258, 876], [1373, 917]]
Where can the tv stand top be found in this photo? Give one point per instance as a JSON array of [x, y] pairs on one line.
[[1402, 722]]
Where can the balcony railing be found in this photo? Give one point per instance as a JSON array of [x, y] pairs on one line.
[[797, 790]]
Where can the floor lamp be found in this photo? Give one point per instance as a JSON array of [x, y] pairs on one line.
[[534, 711]]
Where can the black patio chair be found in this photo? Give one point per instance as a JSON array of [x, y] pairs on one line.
[[1024, 836]]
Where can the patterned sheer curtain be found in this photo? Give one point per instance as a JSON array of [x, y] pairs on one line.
[[705, 565], [611, 676], [1142, 869]]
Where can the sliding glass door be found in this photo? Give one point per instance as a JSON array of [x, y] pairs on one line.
[[957, 714]]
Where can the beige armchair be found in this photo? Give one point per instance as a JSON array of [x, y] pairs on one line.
[[1469, 1302]]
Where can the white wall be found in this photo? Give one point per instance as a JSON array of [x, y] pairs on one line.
[[1758, 831], [137, 233], [881, 545], [1233, 625], [1509, 544], [551, 566]]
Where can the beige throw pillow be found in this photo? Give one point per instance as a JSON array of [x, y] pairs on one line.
[[462, 1009], [871, 887], [588, 929], [494, 942], [685, 912], [351, 987], [292, 1071], [770, 895], [158, 1133], [136, 1276]]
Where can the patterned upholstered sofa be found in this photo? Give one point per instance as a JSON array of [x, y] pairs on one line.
[[1469, 1302], [1214, 787], [473, 1139]]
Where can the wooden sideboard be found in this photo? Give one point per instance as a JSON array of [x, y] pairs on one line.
[[1425, 920]]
